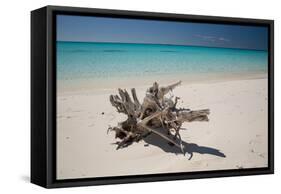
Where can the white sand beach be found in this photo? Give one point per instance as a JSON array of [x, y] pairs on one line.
[[235, 137]]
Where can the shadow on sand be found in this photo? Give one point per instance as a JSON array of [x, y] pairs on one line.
[[190, 148]]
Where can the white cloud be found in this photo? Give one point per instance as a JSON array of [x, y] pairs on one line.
[[212, 38]]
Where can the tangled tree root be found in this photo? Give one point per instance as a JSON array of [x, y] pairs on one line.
[[156, 112]]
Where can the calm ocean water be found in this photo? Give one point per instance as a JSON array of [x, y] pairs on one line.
[[83, 61]]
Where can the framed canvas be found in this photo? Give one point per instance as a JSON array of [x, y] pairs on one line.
[[126, 96]]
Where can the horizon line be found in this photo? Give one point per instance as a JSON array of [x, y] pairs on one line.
[[163, 44]]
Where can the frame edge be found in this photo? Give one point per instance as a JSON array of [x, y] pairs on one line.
[[38, 97]]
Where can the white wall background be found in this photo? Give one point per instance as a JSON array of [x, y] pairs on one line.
[[15, 94]]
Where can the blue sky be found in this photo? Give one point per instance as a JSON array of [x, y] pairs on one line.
[[101, 29]]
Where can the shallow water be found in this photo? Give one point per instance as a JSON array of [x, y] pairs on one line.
[[107, 62]]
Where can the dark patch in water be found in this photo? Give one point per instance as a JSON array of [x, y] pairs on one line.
[[167, 51], [113, 51], [78, 51]]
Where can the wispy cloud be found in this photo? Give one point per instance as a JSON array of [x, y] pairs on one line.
[[224, 39], [212, 38]]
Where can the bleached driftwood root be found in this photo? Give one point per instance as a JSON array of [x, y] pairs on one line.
[[157, 114]]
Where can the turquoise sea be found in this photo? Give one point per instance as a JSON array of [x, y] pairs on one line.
[[109, 61]]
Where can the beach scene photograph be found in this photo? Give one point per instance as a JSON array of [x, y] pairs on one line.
[[140, 97]]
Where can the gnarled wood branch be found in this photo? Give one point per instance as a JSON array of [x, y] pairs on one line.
[[156, 112]]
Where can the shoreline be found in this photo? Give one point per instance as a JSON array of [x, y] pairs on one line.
[[95, 86]]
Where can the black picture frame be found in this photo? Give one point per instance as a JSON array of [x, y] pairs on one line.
[[43, 96]]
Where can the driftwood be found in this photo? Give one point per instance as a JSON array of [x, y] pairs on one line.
[[157, 114]]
